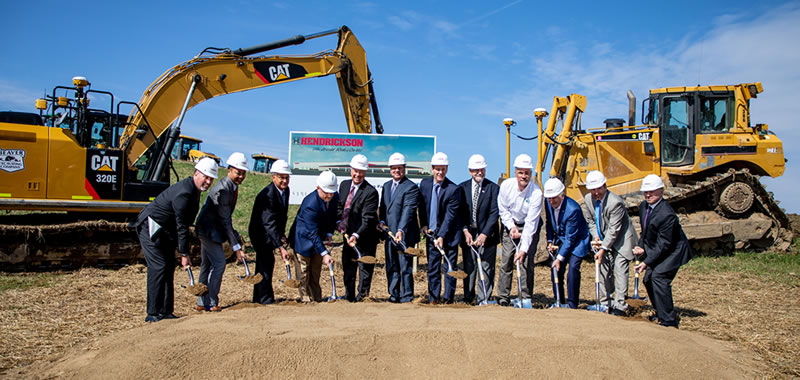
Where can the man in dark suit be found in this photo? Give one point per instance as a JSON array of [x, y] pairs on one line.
[[214, 226], [664, 246], [311, 231], [398, 208], [438, 214], [567, 237], [163, 226], [479, 220], [358, 217], [268, 229]]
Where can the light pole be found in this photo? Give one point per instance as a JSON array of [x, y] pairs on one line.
[[539, 113], [508, 122]]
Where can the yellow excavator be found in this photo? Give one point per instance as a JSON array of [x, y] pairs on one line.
[[700, 140], [187, 148], [96, 163], [262, 163]]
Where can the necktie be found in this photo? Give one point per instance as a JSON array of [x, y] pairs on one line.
[[476, 192], [235, 196], [598, 218], [646, 214], [391, 193], [346, 212], [432, 221]]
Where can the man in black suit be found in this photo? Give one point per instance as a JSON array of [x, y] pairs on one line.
[[163, 226], [664, 246], [438, 214], [398, 207], [479, 218], [358, 216], [268, 229]]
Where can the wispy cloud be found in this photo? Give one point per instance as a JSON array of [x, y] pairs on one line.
[[17, 98]]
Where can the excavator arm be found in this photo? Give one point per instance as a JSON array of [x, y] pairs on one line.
[[568, 111], [218, 72]]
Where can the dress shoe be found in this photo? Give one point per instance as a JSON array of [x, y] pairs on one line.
[[503, 302], [215, 308], [669, 324], [200, 308], [652, 318], [168, 316], [152, 318], [617, 312], [268, 301]]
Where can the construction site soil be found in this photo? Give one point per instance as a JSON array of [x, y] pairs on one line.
[[90, 324]]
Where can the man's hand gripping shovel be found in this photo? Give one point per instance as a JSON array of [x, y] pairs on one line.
[[451, 271], [361, 258], [520, 303]]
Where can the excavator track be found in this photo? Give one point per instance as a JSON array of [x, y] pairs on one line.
[[713, 215]]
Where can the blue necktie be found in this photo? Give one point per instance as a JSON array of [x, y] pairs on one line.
[[598, 218], [434, 207]]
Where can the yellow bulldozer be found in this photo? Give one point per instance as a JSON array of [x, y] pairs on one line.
[[700, 140], [104, 166]]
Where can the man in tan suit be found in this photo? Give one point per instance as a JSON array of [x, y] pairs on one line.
[[613, 239]]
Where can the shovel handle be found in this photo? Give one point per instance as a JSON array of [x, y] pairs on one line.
[[333, 280], [288, 270], [191, 276], [246, 269]]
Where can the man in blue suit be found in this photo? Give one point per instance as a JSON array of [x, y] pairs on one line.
[[568, 236], [399, 200], [438, 214], [312, 229]]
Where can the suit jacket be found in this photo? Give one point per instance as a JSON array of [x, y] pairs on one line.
[[398, 210], [488, 213], [665, 245], [215, 219], [570, 232], [268, 219], [618, 232], [313, 223], [174, 210], [448, 221], [363, 215]]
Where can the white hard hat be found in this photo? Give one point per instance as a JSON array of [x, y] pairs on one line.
[[553, 188], [359, 162], [652, 182], [397, 159], [595, 179], [237, 160], [476, 161], [280, 167], [207, 166], [523, 161], [327, 181], [439, 158]]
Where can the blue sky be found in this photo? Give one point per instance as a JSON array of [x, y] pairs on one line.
[[445, 68]]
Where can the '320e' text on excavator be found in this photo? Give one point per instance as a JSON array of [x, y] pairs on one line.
[[92, 160], [700, 141]]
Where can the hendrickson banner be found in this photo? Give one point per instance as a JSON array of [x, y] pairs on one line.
[[313, 152]]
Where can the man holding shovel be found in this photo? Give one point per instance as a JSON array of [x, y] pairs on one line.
[[268, 229], [163, 226], [215, 226], [519, 204], [567, 238], [358, 217], [397, 212], [479, 218], [311, 231], [613, 238], [439, 217]]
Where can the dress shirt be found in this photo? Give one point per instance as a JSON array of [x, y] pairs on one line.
[[520, 207]]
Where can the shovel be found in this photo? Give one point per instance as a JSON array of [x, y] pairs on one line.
[[289, 283], [459, 274], [521, 303], [361, 258], [482, 277], [636, 284], [333, 296], [597, 307], [195, 289], [250, 278], [556, 304], [406, 250]]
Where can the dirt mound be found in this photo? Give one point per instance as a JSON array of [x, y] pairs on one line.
[[388, 340]]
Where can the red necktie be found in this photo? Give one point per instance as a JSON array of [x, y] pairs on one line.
[[235, 196], [346, 212]]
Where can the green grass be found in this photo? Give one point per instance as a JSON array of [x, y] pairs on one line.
[[776, 267], [27, 281]]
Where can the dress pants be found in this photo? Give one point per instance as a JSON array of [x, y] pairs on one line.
[[352, 268], [573, 281], [308, 275], [212, 267], [437, 264], [659, 289], [160, 261], [488, 259], [265, 264], [507, 266], [399, 274], [614, 279]]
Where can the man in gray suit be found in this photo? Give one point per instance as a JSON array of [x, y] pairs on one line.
[[613, 239], [214, 226]]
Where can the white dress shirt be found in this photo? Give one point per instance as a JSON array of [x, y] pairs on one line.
[[520, 207]]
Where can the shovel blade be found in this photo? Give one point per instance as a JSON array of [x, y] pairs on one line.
[[197, 290], [600, 308], [294, 284], [253, 279], [367, 260], [413, 251], [558, 306], [524, 303], [459, 274]]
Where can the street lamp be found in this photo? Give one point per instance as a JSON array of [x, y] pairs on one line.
[[508, 122], [539, 113]]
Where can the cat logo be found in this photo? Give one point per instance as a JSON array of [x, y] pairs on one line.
[[279, 72], [104, 163]]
